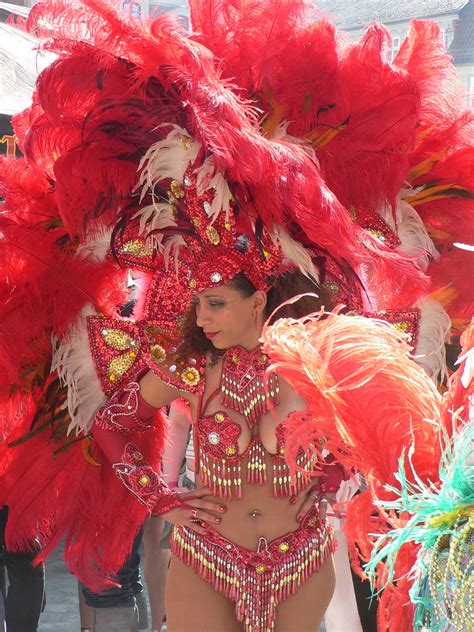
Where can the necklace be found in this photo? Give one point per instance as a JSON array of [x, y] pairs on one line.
[[243, 383]]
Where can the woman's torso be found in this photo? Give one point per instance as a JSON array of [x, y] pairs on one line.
[[258, 511]]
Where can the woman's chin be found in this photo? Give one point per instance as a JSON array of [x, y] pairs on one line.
[[218, 345]]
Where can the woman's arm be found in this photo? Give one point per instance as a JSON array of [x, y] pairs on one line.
[[128, 412]]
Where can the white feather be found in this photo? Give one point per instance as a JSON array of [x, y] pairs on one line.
[[295, 253], [430, 351], [281, 134], [97, 246], [73, 361], [167, 158], [415, 241], [209, 179]]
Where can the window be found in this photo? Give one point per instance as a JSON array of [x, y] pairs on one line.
[[395, 46]]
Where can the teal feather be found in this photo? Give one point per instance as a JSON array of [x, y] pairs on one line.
[[432, 510]]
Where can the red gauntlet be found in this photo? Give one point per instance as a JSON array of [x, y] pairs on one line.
[[142, 480], [332, 475], [124, 413]]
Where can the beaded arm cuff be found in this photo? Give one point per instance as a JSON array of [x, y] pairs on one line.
[[126, 411], [332, 474], [144, 483]]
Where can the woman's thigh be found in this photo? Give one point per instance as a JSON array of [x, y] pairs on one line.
[[304, 611], [192, 605]]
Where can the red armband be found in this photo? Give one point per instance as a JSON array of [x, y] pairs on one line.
[[144, 483], [126, 411], [333, 474]]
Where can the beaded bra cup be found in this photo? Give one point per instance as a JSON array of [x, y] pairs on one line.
[[217, 435]]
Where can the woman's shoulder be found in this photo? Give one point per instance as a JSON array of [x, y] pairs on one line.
[[183, 371]]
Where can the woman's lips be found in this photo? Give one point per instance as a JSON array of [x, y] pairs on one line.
[[210, 334]]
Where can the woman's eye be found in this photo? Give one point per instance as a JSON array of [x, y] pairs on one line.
[[215, 304]]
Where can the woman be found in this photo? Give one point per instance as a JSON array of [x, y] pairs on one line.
[[242, 504]]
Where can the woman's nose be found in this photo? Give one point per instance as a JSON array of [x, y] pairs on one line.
[[202, 317]]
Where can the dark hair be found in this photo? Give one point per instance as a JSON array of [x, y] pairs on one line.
[[286, 286]]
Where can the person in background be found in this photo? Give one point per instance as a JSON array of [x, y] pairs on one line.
[[122, 608], [24, 599]]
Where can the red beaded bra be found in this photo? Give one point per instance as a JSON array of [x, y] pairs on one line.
[[248, 388]]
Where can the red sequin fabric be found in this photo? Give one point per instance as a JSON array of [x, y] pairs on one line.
[[124, 411], [121, 348], [406, 321], [144, 483], [220, 247]]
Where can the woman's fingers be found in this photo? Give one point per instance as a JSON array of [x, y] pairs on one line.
[[322, 508], [197, 527], [308, 503], [302, 495], [205, 516], [208, 505]]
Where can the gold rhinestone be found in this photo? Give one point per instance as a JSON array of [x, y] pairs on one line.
[[260, 569], [402, 326], [137, 248], [213, 235], [119, 366], [284, 546], [158, 353], [192, 284], [144, 480], [219, 417], [231, 450], [190, 376], [117, 339], [176, 189]]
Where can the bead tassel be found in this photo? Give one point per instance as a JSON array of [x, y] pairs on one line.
[[256, 465], [222, 476], [243, 384]]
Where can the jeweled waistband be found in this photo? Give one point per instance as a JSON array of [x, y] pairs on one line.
[[257, 581]]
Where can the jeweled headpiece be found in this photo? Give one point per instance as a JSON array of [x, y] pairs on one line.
[[196, 220], [223, 247]]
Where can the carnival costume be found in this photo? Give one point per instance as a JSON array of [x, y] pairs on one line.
[[188, 158]]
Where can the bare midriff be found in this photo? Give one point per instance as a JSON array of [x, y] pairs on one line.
[[258, 513]]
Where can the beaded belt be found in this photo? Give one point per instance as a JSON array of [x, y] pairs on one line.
[[257, 581]]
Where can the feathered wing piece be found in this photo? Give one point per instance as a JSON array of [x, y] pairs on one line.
[[439, 516], [368, 400]]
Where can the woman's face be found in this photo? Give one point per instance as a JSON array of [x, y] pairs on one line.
[[228, 318]]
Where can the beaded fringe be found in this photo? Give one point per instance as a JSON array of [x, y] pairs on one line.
[[284, 483], [224, 476], [249, 398], [257, 581]]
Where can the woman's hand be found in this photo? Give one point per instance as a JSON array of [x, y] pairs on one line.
[[309, 496], [196, 512]]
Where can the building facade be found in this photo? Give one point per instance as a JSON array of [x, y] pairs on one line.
[[454, 17]]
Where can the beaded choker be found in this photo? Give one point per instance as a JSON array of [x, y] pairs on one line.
[[243, 383]]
